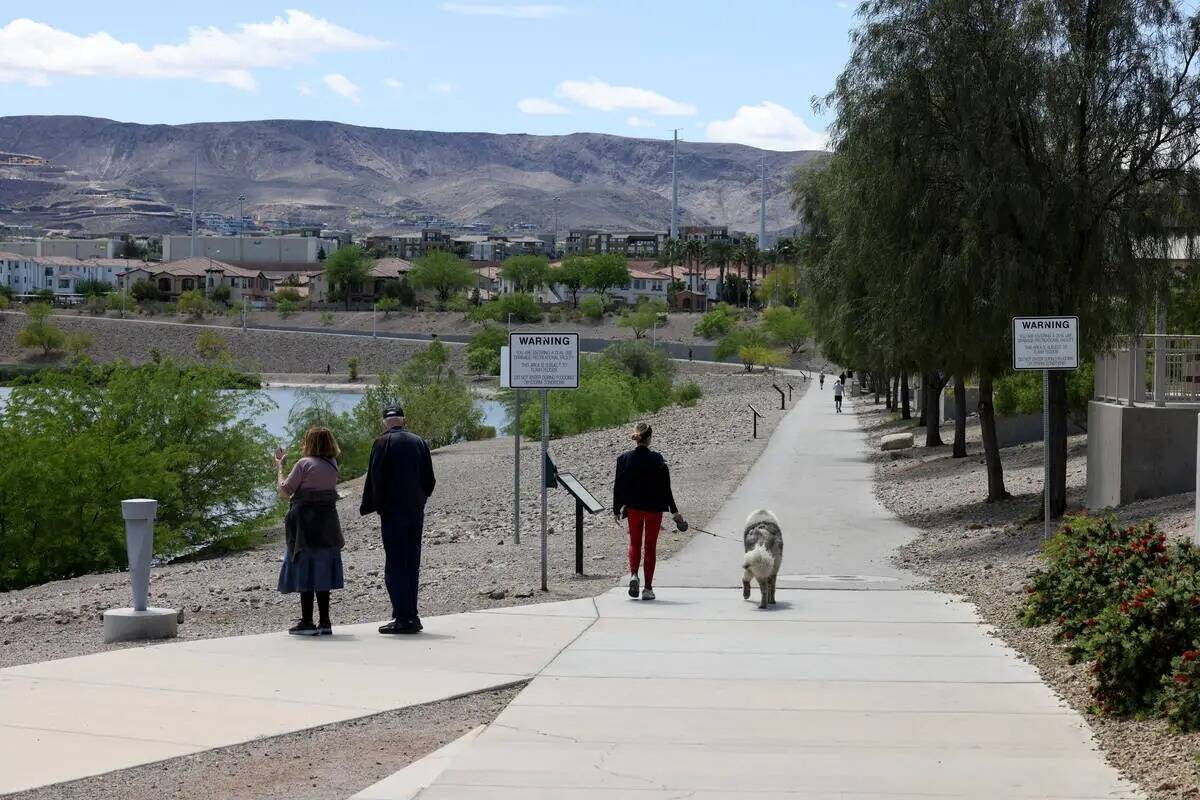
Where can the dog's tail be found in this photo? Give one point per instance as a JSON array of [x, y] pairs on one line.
[[759, 563]]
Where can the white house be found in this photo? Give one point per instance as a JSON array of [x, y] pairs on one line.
[[27, 274]]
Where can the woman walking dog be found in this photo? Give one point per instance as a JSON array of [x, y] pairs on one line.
[[312, 558], [641, 493]]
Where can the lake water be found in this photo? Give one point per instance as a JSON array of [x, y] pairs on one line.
[[275, 420]]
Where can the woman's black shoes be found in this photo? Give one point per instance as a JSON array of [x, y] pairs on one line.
[[325, 628], [303, 628], [402, 627]]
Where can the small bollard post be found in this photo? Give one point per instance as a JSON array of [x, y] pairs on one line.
[[782, 397], [754, 415], [140, 621], [578, 536], [790, 387]]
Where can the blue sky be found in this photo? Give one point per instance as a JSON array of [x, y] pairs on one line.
[[718, 71]]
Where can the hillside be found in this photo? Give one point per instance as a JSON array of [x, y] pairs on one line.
[[105, 175]]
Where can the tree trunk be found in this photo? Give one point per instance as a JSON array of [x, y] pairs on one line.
[[890, 405], [895, 393], [905, 404], [922, 404], [960, 417], [1058, 443], [875, 386], [933, 433], [991, 447]]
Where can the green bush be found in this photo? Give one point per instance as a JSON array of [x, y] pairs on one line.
[[285, 293], [352, 368], [459, 303], [6, 291], [91, 288], [483, 350], [286, 308], [1180, 698], [74, 445], [555, 315], [145, 291], [387, 305], [326, 318], [592, 307], [222, 294], [523, 307], [40, 331], [716, 323], [194, 304], [1021, 392], [688, 394], [96, 305]]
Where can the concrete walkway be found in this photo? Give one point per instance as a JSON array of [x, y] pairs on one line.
[[897, 693]]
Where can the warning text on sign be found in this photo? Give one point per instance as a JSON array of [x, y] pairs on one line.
[[1045, 342], [543, 360]]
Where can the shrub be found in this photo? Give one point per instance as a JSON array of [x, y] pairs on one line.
[[352, 367], [460, 303], [45, 296], [1091, 564], [326, 318], [688, 394], [387, 305], [194, 304], [592, 307], [6, 291], [715, 323], [78, 344], [750, 345], [121, 301], [220, 294], [72, 443], [555, 315], [212, 346], [286, 308], [1021, 392], [642, 318], [95, 305], [483, 350], [1180, 699], [40, 331], [4, 302], [92, 288], [144, 290], [285, 293], [523, 307], [400, 290]]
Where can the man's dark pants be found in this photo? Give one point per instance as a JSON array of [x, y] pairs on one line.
[[402, 561]]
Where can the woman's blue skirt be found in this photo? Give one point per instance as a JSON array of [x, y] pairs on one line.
[[315, 570]]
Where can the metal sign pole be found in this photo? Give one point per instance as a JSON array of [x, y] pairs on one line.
[[1046, 453], [545, 488], [517, 470]]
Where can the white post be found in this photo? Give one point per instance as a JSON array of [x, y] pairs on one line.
[[1196, 523], [1160, 346], [1135, 369], [140, 621], [374, 314], [517, 470], [243, 313], [545, 477]]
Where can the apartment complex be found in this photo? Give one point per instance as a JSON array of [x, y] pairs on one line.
[[631, 244], [29, 274], [63, 248], [172, 278], [474, 247]]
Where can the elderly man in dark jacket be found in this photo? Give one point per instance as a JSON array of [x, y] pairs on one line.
[[399, 481]]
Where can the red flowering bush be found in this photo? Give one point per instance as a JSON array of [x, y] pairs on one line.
[[1180, 700], [1091, 565], [1134, 641]]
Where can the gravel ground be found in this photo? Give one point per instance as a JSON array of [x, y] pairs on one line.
[[469, 561], [332, 762], [256, 351], [984, 551]]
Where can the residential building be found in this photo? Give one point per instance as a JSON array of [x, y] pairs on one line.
[[631, 244], [382, 271], [66, 248], [26, 274], [175, 277], [254, 250]]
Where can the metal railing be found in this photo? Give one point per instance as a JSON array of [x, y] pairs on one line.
[[1151, 367]]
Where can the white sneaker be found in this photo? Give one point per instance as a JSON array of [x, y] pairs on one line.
[[647, 594], [633, 586]]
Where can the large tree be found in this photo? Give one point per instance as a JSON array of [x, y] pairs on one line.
[[527, 273], [347, 268], [608, 271], [573, 274], [443, 272]]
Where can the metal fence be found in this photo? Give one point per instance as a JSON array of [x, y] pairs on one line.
[[1152, 367]]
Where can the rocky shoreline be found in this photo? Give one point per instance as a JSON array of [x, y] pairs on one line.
[[985, 551], [469, 561]]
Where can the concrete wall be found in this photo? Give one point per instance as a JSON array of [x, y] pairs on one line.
[[1135, 453], [70, 248], [249, 249], [1025, 428]]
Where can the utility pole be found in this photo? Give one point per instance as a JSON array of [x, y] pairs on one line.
[[554, 248], [675, 186], [762, 210], [195, 170]]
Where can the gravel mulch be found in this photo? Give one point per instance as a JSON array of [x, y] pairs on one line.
[[984, 551], [333, 761], [469, 561]]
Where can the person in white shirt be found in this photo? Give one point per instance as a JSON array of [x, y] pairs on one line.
[[838, 390]]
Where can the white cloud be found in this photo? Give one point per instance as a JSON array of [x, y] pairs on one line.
[[340, 84], [606, 97], [31, 52], [769, 126], [541, 106], [304, 89], [441, 87], [393, 83], [638, 122], [518, 11]]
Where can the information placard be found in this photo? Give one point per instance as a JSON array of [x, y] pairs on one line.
[[1045, 343], [543, 360]]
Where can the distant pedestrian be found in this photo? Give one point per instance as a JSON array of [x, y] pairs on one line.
[[312, 556], [838, 389], [842, 378], [328, 368], [689, 354], [399, 481], [641, 493], [822, 381]]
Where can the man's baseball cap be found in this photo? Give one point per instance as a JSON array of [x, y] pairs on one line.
[[393, 411]]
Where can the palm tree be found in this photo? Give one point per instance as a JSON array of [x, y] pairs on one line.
[[720, 254], [749, 256], [693, 250]]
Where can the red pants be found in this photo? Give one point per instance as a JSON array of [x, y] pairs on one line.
[[644, 526]]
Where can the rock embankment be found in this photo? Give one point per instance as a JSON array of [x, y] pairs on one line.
[[139, 340], [469, 560]]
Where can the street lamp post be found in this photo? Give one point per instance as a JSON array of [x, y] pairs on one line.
[[243, 313], [374, 316]]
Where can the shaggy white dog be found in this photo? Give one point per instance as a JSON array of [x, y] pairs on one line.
[[763, 540]]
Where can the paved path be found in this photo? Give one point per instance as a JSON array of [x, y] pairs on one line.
[[891, 694]]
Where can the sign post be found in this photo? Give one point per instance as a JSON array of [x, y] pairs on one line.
[[544, 361], [505, 383], [1045, 343]]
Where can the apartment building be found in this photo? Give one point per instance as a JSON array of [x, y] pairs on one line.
[[28, 274], [172, 278], [251, 250], [59, 247]]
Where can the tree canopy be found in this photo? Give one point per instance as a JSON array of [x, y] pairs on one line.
[[443, 272], [347, 268], [528, 273]]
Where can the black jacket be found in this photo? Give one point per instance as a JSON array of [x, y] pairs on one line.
[[643, 482], [312, 521], [400, 476]]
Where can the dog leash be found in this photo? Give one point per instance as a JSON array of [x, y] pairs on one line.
[[686, 527]]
